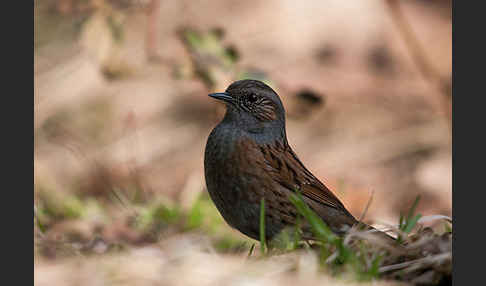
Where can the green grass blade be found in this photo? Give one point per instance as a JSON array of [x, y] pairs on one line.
[[373, 272], [407, 223], [320, 229], [411, 223], [401, 221], [38, 221], [251, 250], [412, 209], [447, 227], [262, 226]]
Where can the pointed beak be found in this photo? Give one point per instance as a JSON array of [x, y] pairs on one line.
[[224, 96]]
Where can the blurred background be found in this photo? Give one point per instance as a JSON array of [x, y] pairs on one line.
[[122, 116]]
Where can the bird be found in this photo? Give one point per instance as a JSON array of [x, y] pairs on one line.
[[247, 158]]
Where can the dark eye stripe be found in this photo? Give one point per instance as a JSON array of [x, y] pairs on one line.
[[263, 108]]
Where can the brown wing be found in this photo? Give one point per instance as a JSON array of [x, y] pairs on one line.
[[285, 168]]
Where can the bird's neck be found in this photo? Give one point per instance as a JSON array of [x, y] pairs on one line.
[[260, 134], [269, 135], [263, 132]]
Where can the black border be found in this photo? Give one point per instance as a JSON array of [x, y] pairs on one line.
[[17, 119]]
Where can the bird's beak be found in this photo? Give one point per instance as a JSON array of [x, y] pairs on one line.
[[224, 96]]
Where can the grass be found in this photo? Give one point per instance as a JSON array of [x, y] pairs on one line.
[[333, 251], [357, 255], [263, 241], [406, 224], [361, 254]]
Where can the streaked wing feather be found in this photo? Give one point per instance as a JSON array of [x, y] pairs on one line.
[[284, 167]]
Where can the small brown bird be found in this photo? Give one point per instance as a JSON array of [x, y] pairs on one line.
[[248, 158]]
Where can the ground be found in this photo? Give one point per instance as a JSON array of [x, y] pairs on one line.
[[119, 136]]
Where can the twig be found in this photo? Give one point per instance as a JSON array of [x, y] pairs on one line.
[[411, 41], [423, 261], [378, 241], [420, 242], [430, 218], [360, 220], [366, 207], [418, 54]]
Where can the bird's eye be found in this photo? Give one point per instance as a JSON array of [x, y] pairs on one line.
[[252, 98]]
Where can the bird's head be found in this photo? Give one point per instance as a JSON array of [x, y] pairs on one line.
[[254, 107]]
